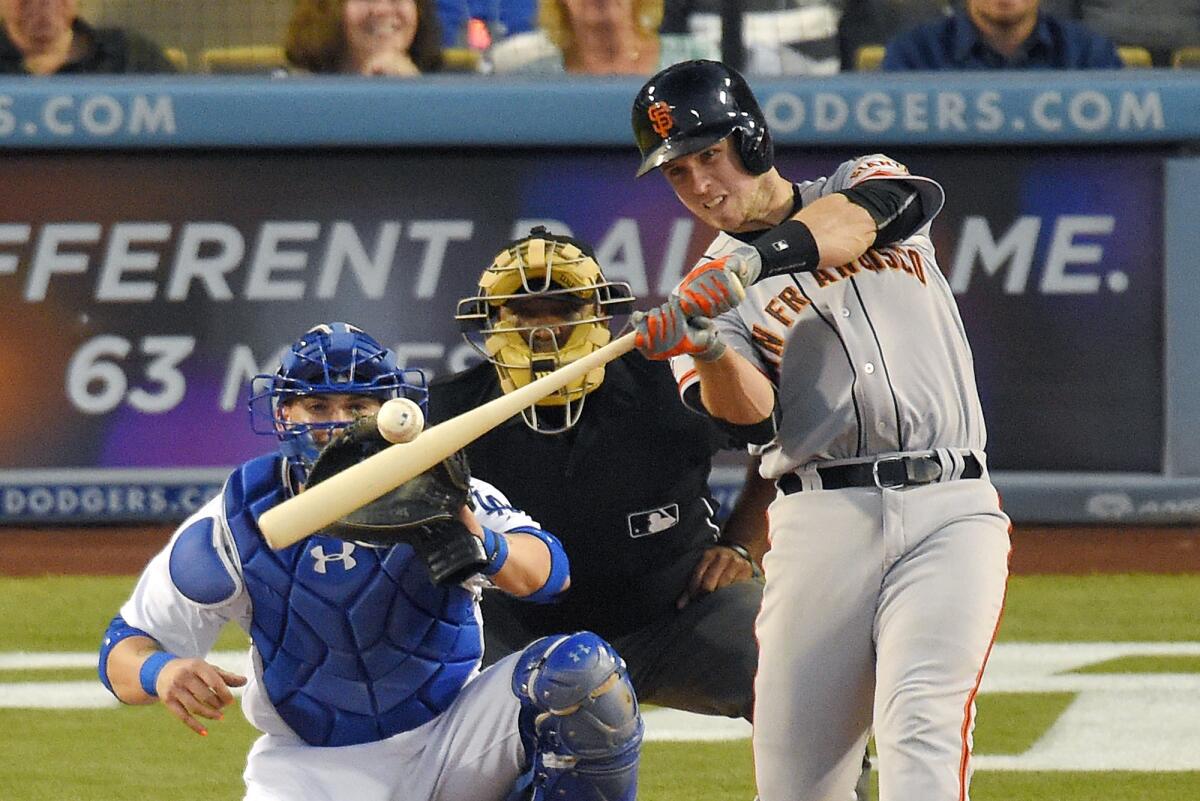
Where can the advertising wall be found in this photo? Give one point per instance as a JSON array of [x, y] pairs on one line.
[[145, 290], [146, 276]]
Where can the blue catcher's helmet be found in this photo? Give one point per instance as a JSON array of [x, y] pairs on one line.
[[330, 359]]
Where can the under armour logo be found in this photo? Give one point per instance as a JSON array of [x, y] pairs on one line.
[[579, 653], [660, 118], [348, 561]]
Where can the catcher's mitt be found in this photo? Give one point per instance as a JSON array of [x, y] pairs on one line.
[[423, 511]]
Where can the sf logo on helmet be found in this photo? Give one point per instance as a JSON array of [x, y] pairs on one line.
[[661, 118]]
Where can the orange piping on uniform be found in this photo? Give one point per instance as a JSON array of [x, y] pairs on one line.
[[685, 379], [966, 727]]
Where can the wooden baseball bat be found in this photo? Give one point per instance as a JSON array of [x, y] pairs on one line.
[[358, 485]]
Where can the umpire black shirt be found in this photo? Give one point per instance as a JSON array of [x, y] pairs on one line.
[[625, 489]]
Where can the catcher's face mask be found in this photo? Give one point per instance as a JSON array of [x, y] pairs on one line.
[[542, 304], [295, 403]]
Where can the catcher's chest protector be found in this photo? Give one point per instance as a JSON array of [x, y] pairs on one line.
[[356, 643]]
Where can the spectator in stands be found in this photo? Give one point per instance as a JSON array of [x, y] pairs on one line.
[[780, 37], [44, 37], [1000, 34], [597, 37], [477, 23], [399, 38], [1160, 26], [873, 22]]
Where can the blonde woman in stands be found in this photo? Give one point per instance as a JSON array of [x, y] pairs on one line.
[[397, 38], [597, 37]]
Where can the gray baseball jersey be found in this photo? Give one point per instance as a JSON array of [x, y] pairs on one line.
[[857, 379], [882, 598]]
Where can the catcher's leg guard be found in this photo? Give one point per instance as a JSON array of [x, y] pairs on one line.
[[580, 714]]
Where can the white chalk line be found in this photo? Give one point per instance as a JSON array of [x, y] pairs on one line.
[[1117, 721]]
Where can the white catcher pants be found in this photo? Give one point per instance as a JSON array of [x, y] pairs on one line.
[[470, 752], [880, 606]]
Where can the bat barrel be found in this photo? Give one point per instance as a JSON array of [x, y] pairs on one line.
[[358, 485]]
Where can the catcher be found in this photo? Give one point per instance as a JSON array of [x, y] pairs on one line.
[[364, 673]]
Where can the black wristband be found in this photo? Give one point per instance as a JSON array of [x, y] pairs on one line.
[[787, 248]]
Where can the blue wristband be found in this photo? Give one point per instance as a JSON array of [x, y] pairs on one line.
[[495, 545], [148, 675]]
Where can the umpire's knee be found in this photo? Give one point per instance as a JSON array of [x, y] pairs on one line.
[[733, 656]]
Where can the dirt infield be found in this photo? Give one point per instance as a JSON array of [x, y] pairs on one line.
[[1036, 549]]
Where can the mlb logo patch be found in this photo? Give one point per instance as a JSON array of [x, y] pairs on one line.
[[653, 521]]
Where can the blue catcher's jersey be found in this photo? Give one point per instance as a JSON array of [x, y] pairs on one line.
[[356, 643]]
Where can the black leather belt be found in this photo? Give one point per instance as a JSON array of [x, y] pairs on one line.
[[887, 473]]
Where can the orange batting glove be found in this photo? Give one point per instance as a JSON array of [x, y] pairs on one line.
[[717, 286], [709, 289], [665, 331]]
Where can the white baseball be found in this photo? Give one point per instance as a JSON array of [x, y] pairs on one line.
[[400, 420]]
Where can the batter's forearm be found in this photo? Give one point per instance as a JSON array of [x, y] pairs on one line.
[[829, 232], [843, 230], [732, 389]]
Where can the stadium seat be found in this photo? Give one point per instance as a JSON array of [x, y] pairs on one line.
[[460, 59], [1186, 58], [1135, 56], [251, 59], [868, 57], [176, 57]]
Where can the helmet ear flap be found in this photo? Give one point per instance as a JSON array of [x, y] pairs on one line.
[[755, 148]]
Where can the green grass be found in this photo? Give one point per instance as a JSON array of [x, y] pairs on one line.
[[1107, 786], [47, 674], [70, 613], [119, 754], [1102, 608], [696, 772], [1144, 664], [60, 613], [1039, 609], [1009, 723], [144, 753], [140, 752]]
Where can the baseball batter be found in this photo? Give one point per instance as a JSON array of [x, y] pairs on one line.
[[818, 322], [364, 674]]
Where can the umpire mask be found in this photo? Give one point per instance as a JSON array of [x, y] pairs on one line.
[[542, 304]]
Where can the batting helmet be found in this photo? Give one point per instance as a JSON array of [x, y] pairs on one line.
[[563, 274], [333, 359], [691, 105]]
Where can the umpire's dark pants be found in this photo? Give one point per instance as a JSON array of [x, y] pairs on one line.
[[699, 659]]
